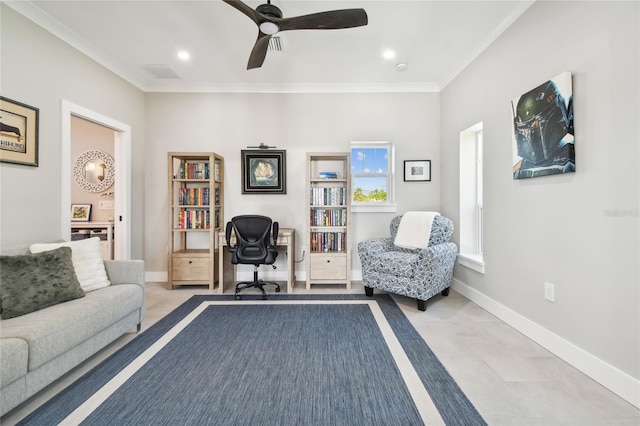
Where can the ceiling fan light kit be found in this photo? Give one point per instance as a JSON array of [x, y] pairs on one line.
[[269, 20]]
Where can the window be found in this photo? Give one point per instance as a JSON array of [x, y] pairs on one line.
[[372, 176], [471, 196]]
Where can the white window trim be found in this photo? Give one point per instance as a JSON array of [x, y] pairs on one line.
[[473, 261], [372, 207], [472, 256]]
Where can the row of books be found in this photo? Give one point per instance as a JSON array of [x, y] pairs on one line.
[[328, 196], [194, 170], [327, 242], [194, 219], [197, 196], [193, 196], [328, 217]]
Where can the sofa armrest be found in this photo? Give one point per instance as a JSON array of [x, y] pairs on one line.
[[125, 271]]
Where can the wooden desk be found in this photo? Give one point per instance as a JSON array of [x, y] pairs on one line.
[[286, 238]]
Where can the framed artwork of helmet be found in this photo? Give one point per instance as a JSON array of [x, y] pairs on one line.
[[543, 142]]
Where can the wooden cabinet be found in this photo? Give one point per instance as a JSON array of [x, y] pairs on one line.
[[196, 208], [329, 218], [102, 230]]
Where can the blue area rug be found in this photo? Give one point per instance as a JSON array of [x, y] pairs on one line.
[[290, 360]]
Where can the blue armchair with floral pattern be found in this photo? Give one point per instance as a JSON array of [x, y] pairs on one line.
[[416, 273]]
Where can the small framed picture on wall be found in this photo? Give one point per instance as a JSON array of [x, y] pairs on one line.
[[417, 170]]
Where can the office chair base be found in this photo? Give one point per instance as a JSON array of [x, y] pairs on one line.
[[254, 284]]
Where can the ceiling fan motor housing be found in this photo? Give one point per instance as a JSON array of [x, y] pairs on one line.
[[269, 10]]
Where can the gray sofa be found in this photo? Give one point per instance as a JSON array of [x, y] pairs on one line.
[[38, 348]]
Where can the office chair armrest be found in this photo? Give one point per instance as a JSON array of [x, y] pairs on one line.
[[276, 229], [227, 234]]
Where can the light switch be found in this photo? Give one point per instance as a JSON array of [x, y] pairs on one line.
[[105, 204]]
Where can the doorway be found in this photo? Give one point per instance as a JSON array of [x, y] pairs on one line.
[[122, 186]]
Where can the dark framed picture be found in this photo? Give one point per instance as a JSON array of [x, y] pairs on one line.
[[417, 170], [81, 212], [264, 172], [18, 133]]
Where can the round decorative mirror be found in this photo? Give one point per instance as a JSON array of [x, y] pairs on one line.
[[94, 171]]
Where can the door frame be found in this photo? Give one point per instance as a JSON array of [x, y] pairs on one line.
[[122, 154]]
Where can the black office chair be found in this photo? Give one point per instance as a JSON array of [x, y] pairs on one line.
[[253, 247]]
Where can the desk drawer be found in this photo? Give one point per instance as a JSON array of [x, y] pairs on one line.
[[190, 268], [328, 266]]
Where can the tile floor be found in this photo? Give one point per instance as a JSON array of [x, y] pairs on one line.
[[510, 379]]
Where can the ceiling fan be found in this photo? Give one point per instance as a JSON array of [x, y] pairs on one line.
[[269, 20]]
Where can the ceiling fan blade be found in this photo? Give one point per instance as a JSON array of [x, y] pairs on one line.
[[255, 16], [331, 20], [259, 51]]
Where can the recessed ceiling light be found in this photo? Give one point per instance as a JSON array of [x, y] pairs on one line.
[[402, 66], [388, 54], [184, 55]]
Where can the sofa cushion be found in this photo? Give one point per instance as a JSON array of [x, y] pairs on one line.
[[32, 282], [14, 355], [87, 261], [397, 263], [51, 332]]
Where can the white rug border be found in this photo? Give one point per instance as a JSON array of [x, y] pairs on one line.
[[421, 397]]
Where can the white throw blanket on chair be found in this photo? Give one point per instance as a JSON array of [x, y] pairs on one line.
[[415, 229]]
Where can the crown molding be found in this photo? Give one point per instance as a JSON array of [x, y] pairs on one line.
[[47, 22], [296, 88]]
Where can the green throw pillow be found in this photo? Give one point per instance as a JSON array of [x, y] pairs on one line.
[[34, 281]]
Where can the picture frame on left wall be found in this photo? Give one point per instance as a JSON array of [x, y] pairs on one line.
[[18, 132], [80, 212]]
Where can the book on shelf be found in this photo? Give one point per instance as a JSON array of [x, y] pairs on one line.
[[328, 175]]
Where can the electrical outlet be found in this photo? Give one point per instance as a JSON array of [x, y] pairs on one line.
[[549, 292]]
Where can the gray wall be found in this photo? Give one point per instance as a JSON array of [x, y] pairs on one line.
[[560, 229], [40, 70], [298, 123]]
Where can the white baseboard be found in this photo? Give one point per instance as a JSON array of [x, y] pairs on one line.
[[619, 382]]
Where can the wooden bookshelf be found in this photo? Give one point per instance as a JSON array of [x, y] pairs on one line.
[[329, 218], [196, 210]]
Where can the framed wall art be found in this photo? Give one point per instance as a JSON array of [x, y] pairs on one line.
[[81, 212], [543, 142], [417, 170], [18, 133], [264, 172]]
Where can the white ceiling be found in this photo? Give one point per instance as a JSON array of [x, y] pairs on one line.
[[437, 39]]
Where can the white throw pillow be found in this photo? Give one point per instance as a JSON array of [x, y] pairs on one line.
[[87, 261]]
